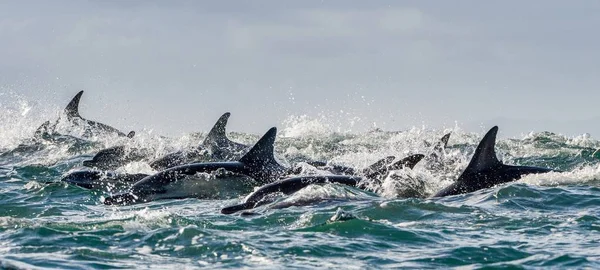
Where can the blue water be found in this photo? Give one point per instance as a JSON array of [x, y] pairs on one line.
[[541, 221]]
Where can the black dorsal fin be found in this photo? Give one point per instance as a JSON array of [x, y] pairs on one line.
[[409, 162], [217, 136], [262, 153], [485, 154], [72, 110], [131, 134]]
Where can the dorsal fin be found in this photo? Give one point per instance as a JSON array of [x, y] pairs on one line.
[[72, 110], [485, 154], [131, 134], [442, 143], [217, 136], [445, 139], [408, 162], [262, 153]]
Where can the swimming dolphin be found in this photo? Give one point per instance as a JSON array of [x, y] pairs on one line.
[[116, 156], [72, 114], [94, 179], [291, 185], [259, 163], [373, 171], [215, 147], [346, 170], [219, 146], [485, 170], [288, 186]]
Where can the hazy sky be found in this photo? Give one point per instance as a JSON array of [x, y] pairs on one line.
[[175, 66]]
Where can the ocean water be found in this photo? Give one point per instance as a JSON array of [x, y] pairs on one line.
[[540, 221]]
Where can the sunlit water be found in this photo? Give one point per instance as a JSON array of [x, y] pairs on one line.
[[550, 220]]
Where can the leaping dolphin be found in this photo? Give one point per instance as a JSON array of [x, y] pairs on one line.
[[73, 116], [485, 170], [259, 163]]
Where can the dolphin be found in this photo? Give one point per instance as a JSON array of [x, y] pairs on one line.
[[288, 186], [215, 147], [73, 116], [114, 157], [381, 168], [93, 179], [485, 170], [117, 156], [374, 171], [259, 163], [346, 170], [219, 146], [292, 185]]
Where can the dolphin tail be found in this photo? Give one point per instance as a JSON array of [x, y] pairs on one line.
[[72, 110], [260, 160]]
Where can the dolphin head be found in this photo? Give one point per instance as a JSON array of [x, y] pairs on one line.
[[121, 199]]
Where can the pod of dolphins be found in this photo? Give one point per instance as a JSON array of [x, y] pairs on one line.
[[229, 165]]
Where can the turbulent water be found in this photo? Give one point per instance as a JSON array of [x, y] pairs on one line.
[[540, 221]]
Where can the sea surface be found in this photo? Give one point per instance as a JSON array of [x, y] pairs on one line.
[[541, 221]]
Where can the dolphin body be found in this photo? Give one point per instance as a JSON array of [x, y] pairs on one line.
[[485, 170], [292, 185], [114, 157], [435, 156], [288, 186], [108, 159], [94, 179], [259, 163], [92, 128], [215, 147], [346, 170]]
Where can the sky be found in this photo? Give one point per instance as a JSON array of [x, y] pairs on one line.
[[175, 66]]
